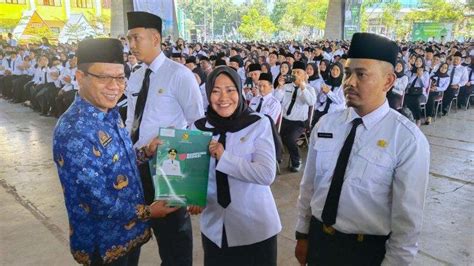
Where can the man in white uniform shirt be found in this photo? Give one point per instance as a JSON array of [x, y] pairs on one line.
[[296, 98], [363, 189], [458, 77], [171, 166], [162, 93], [266, 103]]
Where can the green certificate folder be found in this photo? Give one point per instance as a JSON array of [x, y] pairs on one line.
[[180, 168]]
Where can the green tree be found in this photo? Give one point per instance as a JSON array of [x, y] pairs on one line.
[[438, 11], [278, 11], [255, 26], [309, 13], [390, 14]]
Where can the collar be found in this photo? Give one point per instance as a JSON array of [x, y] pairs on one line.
[[157, 62], [266, 97], [86, 108], [371, 119]]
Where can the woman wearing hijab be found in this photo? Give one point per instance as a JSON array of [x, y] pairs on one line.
[[280, 80], [240, 222], [314, 79], [330, 96], [418, 81], [324, 69], [439, 83], [395, 94]]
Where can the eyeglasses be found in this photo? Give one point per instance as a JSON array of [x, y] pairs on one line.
[[108, 79]]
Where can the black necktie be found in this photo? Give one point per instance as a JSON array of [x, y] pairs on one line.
[[332, 200], [328, 103], [140, 106], [222, 181], [451, 76], [413, 83], [259, 107], [293, 100]]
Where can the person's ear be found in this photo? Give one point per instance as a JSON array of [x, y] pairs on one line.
[[389, 81]]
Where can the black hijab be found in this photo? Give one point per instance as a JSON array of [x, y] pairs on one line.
[[315, 75], [240, 119], [325, 74], [438, 72], [332, 81], [401, 73], [242, 116], [275, 83], [414, 67]]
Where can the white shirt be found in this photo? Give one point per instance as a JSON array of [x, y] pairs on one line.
[[337, 97], [443, 83], [270, 105], [205, 101], [12, 42], [275, 70], [400, 85], [41, 76], [249, 161], [316, 84], [68, 72], [174, 99], [171, 168], [304, 99], [385, 181], [460, 75]]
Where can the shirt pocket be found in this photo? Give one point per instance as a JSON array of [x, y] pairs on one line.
[[326, 152], [377, 170], [243, 149]]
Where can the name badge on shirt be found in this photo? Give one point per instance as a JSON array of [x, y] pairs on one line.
[[324, 135]]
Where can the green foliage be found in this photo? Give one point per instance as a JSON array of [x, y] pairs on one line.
[[309, 13], [255, 26], [223, 13], [438, 11]]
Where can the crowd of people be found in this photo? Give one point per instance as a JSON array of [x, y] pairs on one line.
[[112, 96]]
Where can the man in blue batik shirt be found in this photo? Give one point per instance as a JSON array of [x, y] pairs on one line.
[[97, 164]]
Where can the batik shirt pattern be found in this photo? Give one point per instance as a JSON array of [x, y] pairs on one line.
[[102, 189]]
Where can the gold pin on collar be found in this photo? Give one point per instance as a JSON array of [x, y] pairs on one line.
[[382, 143]]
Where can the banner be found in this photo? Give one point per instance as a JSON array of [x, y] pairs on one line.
[[180, 168], [351, 18], [423, 31], [165, 9]]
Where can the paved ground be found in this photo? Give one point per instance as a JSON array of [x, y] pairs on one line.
[[33, 223]]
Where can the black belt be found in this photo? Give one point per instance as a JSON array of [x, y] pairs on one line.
[[329, 230]]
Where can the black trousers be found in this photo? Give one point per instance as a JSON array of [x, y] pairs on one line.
[[413, 103], [63, 101], [394, 100], [263, 253], [18, 88], [342, 249], [174, 232], [7, 85], [290, 132], [130, 259], [449, 94], [464, 93], [430, 104]]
